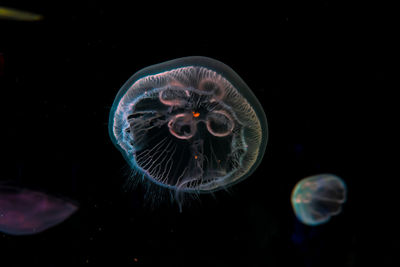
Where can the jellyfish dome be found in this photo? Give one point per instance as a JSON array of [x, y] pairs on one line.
[[189, 124], [317, 198]]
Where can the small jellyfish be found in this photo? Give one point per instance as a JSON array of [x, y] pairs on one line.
[[315, 199], [191, 125], [27, 212]]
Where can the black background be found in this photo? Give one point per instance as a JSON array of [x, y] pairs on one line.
[[320, 70]]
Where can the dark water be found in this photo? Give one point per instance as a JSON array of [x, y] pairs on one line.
[[315, 67]]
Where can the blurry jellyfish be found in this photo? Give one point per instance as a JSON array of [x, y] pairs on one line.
[[315, 199], [26, 212], [20, 15], [190, 124]]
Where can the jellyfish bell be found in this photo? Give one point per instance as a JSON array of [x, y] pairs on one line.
[[317, 198], [190, 124]]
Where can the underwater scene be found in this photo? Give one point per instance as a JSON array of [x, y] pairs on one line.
[[193, 134]]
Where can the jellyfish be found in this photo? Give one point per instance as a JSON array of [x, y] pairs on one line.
[[317, 198], [20, 15], [27, 212], [190, 125]]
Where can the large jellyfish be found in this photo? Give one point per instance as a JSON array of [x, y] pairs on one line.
[[26, 212], [189, 124], [315, 199]]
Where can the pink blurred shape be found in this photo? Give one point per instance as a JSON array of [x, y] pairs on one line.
[[27, 212]]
